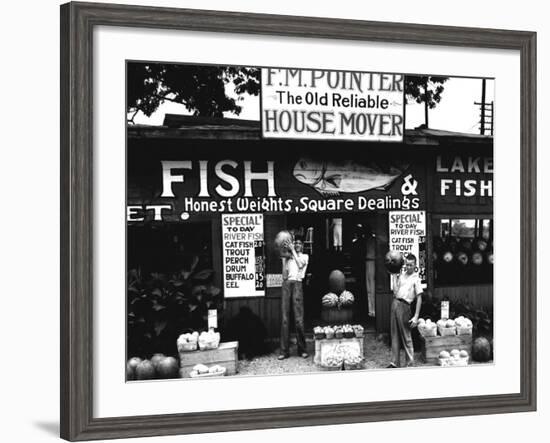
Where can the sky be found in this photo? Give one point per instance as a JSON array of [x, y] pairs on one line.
[[456, 111]]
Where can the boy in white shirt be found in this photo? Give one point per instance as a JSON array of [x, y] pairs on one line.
[[294, 271], [406, 289]]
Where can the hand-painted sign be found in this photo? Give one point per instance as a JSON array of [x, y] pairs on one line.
[[349, 176], [325, 104], [464, 179], [407, 234], [294, 185], [243, 255]]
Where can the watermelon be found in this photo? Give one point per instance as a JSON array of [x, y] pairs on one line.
[[448, 257], [453, 245], [466, 245], [346, 298], [462, 258], [394, 261], [480, 245], [481, 350], [329, 300], [477, 258], [337, 281], [145, 370], [282, 238]]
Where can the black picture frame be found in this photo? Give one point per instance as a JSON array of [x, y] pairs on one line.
[[77, 23]]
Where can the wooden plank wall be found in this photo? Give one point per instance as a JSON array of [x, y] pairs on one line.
[[268, 308], [478, 295]]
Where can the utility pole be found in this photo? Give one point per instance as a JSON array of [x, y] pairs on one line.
[[483, 85], [486, 111]]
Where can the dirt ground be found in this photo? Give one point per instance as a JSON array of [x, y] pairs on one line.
[[377, 355]]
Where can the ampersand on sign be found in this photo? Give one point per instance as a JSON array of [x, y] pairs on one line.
[[409, 187]]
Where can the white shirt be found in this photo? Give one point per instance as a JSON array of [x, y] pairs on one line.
[[407, 287], [295, 270]]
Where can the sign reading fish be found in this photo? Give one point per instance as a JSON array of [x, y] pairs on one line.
[[325, 104], [181, 188]]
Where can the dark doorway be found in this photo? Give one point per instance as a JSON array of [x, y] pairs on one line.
[[336, 241]]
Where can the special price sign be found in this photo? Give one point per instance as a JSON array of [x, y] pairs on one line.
[[325, 104], [243, 255], [408, 236]]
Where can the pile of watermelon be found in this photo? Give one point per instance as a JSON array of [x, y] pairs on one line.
[[462, 259], [159, 366], [331, 300]]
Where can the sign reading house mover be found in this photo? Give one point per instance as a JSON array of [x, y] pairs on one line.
[[323, 104], [243, 255]]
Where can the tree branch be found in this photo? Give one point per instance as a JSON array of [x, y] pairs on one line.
[[133, 116]]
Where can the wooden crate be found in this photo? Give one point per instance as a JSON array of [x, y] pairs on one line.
[[226, 355], [432, 346], [323, 343]]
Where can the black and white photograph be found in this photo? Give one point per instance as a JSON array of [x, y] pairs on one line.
[[242, 222], [286, 220]]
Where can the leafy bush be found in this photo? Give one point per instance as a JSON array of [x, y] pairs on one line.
[[162, 306]]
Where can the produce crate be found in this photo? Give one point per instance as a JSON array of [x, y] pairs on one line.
[[432, 346], [446, 331], [425, 332], [463, 330], [226, 355], [322, 344], [447, 362], [335, 316], [330, 368]]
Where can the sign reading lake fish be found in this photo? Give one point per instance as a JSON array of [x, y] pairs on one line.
[[324, 104], [243, 255]]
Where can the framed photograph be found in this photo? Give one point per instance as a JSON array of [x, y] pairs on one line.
[[273, 221]]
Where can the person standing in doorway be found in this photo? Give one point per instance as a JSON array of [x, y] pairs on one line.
[[294, 271], [406, 289]]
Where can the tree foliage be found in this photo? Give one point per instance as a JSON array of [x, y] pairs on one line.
[[425, 89], [201, 89]]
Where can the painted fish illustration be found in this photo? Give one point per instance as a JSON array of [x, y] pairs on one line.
[[348, 176]]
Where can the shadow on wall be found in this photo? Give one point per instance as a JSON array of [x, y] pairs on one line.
[[251, 333]]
